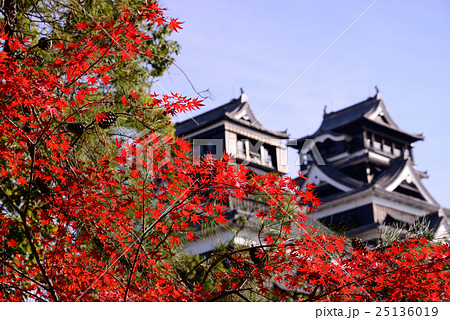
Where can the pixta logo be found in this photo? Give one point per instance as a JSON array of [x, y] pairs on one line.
[[308, 153], [147, 151], [263, 152]]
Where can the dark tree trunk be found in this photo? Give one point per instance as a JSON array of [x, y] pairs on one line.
[[9, 10]]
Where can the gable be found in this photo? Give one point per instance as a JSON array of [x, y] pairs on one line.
[[382, 116], [318, 176], [407, 181]]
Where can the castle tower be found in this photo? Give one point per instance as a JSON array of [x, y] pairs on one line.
[[233, 128], [363, 167]]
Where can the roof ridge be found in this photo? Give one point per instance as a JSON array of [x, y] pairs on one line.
[[346, 109], [207, 113]]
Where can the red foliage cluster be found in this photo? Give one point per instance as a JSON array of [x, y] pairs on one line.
[[106, 231]]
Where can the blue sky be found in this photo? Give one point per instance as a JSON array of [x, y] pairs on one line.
[[403, 47]]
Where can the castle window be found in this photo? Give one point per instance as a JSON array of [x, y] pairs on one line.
[[208, 149], [255, 155], [387, 147], [396, 151], [368, 139], [240, 147], [377, 143], [265, 156]]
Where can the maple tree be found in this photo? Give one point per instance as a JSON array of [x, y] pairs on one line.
[[87, 215]]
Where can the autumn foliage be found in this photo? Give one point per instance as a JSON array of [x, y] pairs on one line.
[[108, 222]]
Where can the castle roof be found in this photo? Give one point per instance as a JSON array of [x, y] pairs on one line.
[[370, 112], [237, 111]]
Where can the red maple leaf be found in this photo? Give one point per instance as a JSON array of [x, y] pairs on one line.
[[80, 25], [134, 94], [190, 236], [175, 240], [106, 79], [175, 25], [195, 219], [12, 243], [221, 219]]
